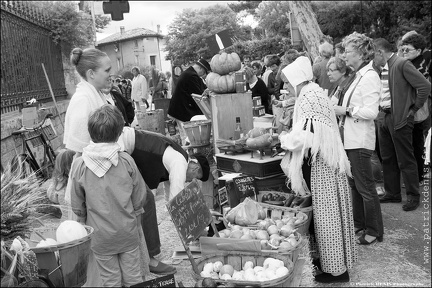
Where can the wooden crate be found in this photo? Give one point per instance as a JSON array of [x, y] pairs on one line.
[[302, 228], [238, 259], [224, 109]]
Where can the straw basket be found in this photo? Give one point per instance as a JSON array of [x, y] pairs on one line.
[[66, 263], [198, 132], [237, 259], [303, 227]]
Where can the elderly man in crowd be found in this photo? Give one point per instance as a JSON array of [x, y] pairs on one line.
[[407, 91]]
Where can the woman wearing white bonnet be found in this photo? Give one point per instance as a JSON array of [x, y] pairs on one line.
[[316, 163]]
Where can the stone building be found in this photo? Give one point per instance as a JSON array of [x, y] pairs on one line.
[[139, 46]]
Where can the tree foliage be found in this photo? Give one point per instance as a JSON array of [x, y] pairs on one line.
[[273, 18], [247, 6], [386, 19], [69, 27], [186, 39], [257, 49]]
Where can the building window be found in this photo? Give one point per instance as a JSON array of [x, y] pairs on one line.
[[136, 43], [118, 64], [136, 60], [153, 60]]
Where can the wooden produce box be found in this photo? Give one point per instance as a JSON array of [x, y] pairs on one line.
[[224, 110], [243, 163]]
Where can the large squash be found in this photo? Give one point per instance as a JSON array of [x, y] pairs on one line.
[[220, 84], [224, 63]]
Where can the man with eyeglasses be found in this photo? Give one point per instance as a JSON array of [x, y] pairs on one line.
[[406, 94], [413, 46]]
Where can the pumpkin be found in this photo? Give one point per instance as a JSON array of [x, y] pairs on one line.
[[70, 230], [220, 84], [224, 63]]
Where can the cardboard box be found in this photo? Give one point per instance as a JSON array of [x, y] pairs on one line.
[[258, 111], [256, 101], [29, 117]]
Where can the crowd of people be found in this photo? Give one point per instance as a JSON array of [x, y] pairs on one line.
[[139, 89], [352, 120], [379, 97]]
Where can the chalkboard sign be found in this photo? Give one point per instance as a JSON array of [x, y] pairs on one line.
[[223, 196], [189, 212], [165, 281], [245, 186]]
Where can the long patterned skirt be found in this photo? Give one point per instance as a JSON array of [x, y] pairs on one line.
[[333, 218]]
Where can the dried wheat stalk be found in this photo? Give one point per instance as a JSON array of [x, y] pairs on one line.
[[20, 195]]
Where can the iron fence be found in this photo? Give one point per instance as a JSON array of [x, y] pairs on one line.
[[26, 44]]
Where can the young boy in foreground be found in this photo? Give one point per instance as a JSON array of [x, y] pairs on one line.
[[107, 194]]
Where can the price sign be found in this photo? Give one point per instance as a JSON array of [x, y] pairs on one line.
[[189, 212], [245, 186], [223, 196]]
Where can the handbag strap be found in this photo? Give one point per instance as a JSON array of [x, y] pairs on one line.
[[349, 99]]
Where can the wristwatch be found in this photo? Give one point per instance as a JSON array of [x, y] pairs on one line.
[[349, 111]]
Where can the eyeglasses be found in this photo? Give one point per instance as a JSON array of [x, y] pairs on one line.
[[346, 51], [332, 70], [406, 50]]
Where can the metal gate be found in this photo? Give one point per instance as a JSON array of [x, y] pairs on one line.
[[25, 45]]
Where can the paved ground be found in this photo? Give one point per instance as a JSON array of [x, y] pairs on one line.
[[402, 259]]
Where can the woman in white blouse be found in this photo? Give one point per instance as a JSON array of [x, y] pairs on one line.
[[358, 110], [139, 88]]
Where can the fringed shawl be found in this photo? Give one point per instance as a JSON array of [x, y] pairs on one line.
[[314, 112]]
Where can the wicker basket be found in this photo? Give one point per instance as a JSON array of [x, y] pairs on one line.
[[70, 267], [238, 259], [198, 132], [302, 228]]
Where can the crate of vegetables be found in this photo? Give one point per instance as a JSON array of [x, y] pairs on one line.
[[242, 269], [250, 213], [279, 204]]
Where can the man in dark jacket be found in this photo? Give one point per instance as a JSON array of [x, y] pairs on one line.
[[182, 106], [160, 159], [408, 90]]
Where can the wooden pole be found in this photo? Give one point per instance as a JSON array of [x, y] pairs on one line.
[[52, 94]]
